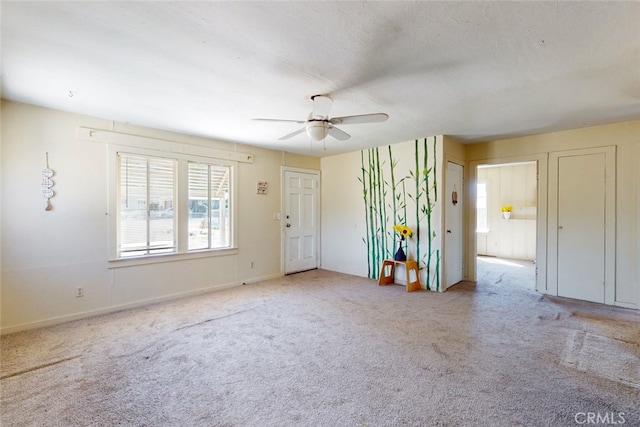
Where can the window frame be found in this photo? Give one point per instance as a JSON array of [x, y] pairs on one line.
[[181, 201]]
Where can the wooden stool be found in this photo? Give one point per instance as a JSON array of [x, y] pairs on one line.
[[387, 279]]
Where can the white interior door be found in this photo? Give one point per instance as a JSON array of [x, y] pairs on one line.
[[301, 220], [581, 227], [453, 223]]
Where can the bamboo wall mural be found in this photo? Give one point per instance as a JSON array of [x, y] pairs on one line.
[[374, 194], [427, 210], [401, 192]]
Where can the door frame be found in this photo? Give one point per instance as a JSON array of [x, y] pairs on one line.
[[283, 209], [610, 218], [541, 215]]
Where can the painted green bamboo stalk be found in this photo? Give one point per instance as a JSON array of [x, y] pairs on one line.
[[438, 270], [376, 207], [362, 180], [433, 204], [417, 202], [404, 203], [435, 173], [365, 190], [385, 214], [381, 206], [402, 199], [393, 164], [401, 209], [372, 231], [429, 210], [374, 200]]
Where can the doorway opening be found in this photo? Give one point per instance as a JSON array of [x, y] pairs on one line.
[[506, 223]]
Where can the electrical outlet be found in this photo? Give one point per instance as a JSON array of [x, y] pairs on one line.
[[79, 292]]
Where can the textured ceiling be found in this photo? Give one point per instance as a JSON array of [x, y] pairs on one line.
[[474, 70]]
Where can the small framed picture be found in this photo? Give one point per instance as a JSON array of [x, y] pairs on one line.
[[262, 187]]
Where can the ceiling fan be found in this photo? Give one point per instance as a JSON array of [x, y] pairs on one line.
[[319, 124]]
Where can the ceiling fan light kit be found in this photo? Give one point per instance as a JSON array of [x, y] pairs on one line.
[[319, 125], [317, 129]]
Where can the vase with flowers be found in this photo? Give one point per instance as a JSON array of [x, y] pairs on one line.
[[404, 232], [506, 211]]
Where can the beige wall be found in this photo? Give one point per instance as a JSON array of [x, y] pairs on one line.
[[454, 151], [46, 255], [342, 216]]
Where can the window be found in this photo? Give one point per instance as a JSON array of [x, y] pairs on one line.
[[147, 193], [208, 206], [172, 205], [482, 225]]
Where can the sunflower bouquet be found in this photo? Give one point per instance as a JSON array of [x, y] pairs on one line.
[[403, 231]]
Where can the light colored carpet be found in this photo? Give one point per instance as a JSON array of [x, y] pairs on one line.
[[327, 349]]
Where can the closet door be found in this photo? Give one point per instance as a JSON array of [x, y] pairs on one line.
[[582, 217]]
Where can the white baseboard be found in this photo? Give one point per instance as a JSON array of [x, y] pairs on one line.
[[626, 305], [128, 306], [339, 270]]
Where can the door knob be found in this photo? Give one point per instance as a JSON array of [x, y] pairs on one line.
[[449, 231], [288, 225]]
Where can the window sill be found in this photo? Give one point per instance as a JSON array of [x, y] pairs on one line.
[[162, 258]]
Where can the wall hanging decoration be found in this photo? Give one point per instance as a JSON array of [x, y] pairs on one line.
[[47, 183], [262, 187]]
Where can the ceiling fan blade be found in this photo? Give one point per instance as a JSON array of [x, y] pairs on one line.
[[362, 118], [292, 134], [338, 134], [321, 106], [281, 120]]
